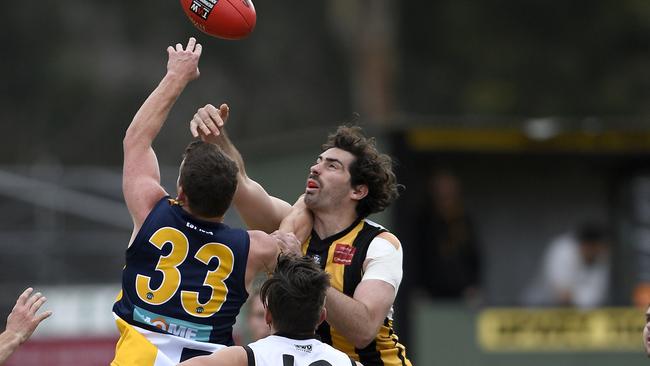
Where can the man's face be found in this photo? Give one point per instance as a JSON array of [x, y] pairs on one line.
[[646, 332], [328, 183]]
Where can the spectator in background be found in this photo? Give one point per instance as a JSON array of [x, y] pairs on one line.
[[575, 271], [449, 259], [22, 322], [257, 326]]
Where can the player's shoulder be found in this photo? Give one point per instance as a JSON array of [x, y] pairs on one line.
[[384, 234]]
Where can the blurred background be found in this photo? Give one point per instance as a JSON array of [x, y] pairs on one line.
[[521, 131]]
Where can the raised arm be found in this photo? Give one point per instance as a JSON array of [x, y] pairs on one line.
[[141, 175], [265, 248], [258, 209]]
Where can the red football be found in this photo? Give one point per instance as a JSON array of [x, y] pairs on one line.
[[228, 19]]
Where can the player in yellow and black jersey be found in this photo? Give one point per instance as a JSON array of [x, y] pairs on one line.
[[349, 181], [343, 256]]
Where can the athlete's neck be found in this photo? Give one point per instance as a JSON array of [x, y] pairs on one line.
[[327, 224]]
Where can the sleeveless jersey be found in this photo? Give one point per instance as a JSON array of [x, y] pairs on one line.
[[184, 277], [277, 350], [342, 256]]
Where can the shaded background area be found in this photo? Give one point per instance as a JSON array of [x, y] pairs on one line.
[[540, 109]]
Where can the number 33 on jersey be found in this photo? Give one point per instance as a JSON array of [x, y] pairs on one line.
[[184, 277]]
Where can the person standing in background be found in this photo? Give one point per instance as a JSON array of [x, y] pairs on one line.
[[449, 258]]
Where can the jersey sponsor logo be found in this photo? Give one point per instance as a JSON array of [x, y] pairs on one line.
[[307, 348], [179, 328], [343, 254]]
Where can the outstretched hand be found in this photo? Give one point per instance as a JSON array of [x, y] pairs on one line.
[[23, 319], [208, 122], [184, 63]]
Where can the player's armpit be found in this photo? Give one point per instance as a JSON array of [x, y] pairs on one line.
[[262, 254]]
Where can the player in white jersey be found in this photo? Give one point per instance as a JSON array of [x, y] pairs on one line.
[[294, 301]]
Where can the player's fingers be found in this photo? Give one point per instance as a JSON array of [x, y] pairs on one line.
[[44, 315], [32, 299], [204, 129], [224, 111], [201, 123], [179, 47], [211, 111], [198, 49], [193, 129], [213, 120], [37, 305], [24, 296], [170, 50], [190, 44]]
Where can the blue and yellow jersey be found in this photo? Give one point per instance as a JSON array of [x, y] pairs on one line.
[[184, 276]]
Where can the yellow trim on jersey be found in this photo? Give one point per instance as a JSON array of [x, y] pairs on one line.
[[342, 344], [133, 348]]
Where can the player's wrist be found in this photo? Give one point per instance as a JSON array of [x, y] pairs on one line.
[[178, 78], [12, 338]]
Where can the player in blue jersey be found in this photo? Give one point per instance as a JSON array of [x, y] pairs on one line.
[[186, 273]]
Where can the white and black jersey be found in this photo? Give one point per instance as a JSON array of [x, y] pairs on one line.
[[280, 350]]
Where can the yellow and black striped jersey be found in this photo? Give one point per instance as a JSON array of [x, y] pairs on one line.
[[342, 256]]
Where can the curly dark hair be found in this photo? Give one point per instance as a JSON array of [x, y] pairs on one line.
[[295, 294], [370, 167], [208, 178]]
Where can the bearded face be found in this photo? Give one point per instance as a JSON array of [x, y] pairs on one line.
[[328, 184]]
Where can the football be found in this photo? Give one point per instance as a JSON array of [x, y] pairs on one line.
[[226, 19]]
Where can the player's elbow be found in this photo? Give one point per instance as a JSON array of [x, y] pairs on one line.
[[363, 338], [129, 138], [136, 136]]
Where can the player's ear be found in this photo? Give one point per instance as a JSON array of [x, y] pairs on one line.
[[267, 316], [181, 195], [359, 192], [323, 316]]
